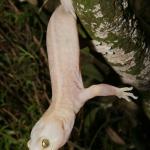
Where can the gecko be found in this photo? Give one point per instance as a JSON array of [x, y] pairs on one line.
[[53, 129]]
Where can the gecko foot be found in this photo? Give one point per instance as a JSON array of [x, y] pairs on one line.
[[125, 94]]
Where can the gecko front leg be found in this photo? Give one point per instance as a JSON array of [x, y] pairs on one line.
[[106, 90]]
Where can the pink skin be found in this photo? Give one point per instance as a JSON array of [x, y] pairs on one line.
[[68, 92]]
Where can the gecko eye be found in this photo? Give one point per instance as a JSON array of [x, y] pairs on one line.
[[45, 143]]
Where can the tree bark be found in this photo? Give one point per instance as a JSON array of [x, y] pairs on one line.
[[116, 34]]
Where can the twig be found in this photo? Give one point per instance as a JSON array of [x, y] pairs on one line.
[[10, 114], [36, 41], [14, 7], [75, 145], [44, 3], [36, 98]]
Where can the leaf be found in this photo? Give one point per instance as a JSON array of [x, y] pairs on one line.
[[113, 135]]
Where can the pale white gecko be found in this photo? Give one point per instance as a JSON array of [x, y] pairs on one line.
[[68, 93]]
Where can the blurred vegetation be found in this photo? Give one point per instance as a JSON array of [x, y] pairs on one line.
[[25, 90]]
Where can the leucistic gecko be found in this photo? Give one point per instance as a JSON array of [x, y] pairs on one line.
[[68, 93]]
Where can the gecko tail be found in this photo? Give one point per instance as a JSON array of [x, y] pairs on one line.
[[68, 6]]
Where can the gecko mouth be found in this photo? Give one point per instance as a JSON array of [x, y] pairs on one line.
[[28, 144]]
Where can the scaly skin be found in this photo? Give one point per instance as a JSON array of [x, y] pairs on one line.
[[68, 93]]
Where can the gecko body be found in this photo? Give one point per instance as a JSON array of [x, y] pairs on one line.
[[68, 93]]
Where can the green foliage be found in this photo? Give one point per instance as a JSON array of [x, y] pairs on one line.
[[24, 75]]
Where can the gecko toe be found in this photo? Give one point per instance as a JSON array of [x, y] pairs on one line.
[[125, 89]]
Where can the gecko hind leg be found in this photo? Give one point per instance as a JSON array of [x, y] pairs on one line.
[[107, 90]]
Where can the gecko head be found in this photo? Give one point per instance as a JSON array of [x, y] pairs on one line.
[[47, 134]]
